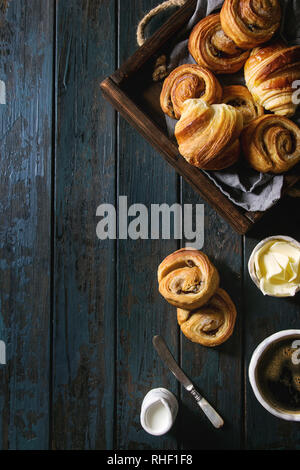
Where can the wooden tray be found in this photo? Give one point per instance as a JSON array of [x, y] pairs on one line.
[[133, 93]]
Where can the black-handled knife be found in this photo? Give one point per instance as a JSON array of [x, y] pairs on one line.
[[166, 356]]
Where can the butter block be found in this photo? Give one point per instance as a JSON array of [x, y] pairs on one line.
[[277, 267]]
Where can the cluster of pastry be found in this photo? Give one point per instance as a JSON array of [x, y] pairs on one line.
[[189, 281], [214, 123]]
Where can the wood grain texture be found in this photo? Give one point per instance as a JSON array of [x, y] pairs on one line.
[[26, 55], [264, 316], [145, 178], [215, 370], [83, 361], [78, 314]]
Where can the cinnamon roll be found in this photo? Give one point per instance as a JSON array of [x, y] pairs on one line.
[[188, 81], [240, 97], [211, 324], [271, 144], [250, 22], [212, 48], [187, 278], [208, 135], [269, 74]]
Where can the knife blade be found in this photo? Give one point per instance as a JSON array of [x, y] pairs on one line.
[[166, 356]]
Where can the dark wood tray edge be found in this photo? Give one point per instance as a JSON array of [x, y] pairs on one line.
[[209, 191]]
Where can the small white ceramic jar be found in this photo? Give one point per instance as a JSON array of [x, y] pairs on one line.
[[256, 356], [251, 262], [158, 412]]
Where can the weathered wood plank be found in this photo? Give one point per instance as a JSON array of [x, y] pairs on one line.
[[145, 178], [216, 371], [263, 317], [26, 64], [83, 364]]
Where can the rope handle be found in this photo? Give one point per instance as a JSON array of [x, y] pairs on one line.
[[140, 33], [160, 67]]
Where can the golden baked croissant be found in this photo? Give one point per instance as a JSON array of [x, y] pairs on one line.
[[211, 324], [187, 278], [211, 48], [271, 143], [269, 74], [250, 22], [208, 135], [188, 81], [240, 97]]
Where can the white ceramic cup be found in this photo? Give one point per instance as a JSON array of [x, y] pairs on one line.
[[261, 348], [251, 267], [166, 399]]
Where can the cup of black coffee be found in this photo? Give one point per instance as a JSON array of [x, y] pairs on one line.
[[274, 374]]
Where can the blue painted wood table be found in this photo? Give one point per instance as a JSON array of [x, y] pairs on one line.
[[77, 314]]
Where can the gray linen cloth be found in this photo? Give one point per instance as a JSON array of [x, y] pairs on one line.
[[241, 184]]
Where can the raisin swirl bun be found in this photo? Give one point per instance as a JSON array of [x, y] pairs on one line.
[[187, 278], [250, 22], [188, 81], [269, 74], [212, 48], [208, 136], [211, 324], [240, 97], [271, 144]]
